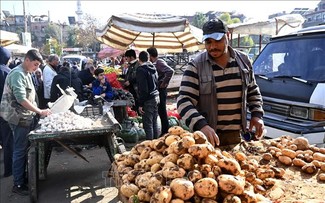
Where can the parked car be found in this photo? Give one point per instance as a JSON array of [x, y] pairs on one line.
[[290, 72], [77, 58]]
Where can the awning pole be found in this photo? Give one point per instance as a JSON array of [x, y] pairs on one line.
[[153, 41]]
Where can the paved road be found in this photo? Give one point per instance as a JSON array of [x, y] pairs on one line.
[[70, 179]]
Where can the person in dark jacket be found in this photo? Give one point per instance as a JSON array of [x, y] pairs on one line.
[[130, 79], [148, 95], [165, 73], [101, 86], [66, 78], [87, 75], [5, 131]]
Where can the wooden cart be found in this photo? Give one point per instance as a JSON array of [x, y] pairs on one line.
[[42, 143]]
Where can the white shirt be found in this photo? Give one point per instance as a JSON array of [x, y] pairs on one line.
[[48, 75]]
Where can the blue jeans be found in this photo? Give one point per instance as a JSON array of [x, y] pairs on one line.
[[21, 144], [149, 118]]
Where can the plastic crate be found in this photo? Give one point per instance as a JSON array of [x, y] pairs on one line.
[[91, 111]]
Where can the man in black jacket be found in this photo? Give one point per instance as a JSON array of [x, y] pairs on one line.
[[165, 73], [148, 95]]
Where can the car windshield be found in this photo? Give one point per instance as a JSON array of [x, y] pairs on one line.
[[303, 58]]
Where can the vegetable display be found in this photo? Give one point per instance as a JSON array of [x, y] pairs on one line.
[[184, 167]]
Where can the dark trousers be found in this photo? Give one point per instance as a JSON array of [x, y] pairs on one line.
[[162, 111], [229, 137], [7, 144]]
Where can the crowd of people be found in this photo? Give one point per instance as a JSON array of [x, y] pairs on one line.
[[216, 90]]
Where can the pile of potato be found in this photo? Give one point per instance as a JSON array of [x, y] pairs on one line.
[[184, 167], [299, 153]]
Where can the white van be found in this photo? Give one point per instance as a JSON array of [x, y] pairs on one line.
[[77, 58], [290, 72]]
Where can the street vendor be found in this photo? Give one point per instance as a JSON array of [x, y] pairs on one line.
[[101, 86], [18, 107], [217, 89]]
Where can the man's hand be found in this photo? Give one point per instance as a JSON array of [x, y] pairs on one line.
[[211, 135], [259, 126], [45, 112]]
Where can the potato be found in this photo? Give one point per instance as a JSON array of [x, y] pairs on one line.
[[298, 162], [229, 166], [206, 187], [269, 182], [143, 179], [200, 150], [231, 198], [250, 177], [163, 194], [216, 170], [301, 142], [211, 159], [278, 172], [194, 175], [176, 130], [159, 145], [208, 200], [289, 153], [316, 163], [173, 172], [319, 156], [231, 184], [132, 159], [188, 141], [186, 133], [200, 137], [178, 148], [182, 188], [285, 160], [322, 150], [154, 168], [186, 161], [129, 189], [309, 168], [171, 138], [264, 173], [133, 174], [240, 156], [267, 156], [169, 158], [248, 197], [145, 153], [154, 159], [322, 167], [321, 176], [177, 201], [144, 195], [293, 147], [154, 182]]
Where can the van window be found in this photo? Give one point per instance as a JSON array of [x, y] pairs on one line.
[[303, 58]]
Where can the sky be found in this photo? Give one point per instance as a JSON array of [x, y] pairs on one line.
[[60, 10]]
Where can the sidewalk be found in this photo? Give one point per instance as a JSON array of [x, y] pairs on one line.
[[69, 179]]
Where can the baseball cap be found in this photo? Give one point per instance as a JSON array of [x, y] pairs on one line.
[[214, 29]]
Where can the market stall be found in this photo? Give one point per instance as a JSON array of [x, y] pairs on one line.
[[183, 167], [71, 124]]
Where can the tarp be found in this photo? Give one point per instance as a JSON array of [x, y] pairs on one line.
[[276, 26], [7, 38], [169, 34]]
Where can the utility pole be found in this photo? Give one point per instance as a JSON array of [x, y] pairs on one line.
[[25, 19]]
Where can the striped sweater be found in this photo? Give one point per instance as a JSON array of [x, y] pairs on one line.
[[231, 94]]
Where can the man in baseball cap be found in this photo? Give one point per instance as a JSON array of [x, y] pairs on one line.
[[217, 89], [214, 29]]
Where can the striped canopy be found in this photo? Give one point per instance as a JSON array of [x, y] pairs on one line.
[[7, 38], [169, 34]]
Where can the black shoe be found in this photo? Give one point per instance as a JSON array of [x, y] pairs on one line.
[[21, 190]]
